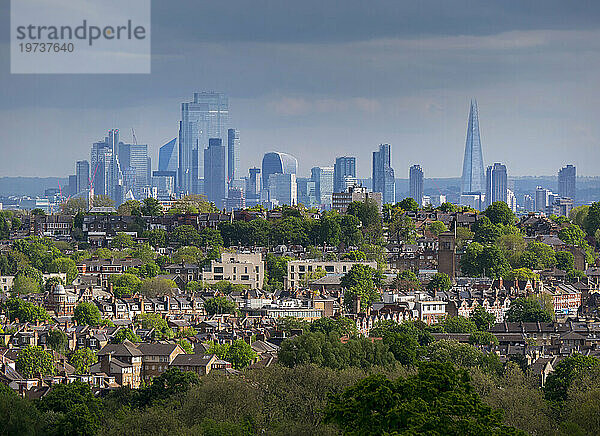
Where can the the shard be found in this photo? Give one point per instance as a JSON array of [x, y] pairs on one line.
[[473, 176]]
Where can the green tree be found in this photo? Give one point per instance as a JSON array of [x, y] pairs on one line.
[[219, 305], [156, 237], [151, 207], [482, 338], [171, 382], [125, 333], [342, 326], [402, 229], [239, 353], [276, 269], [100, 200], [542, 254], [155, 286], [185, 235], [33, 361], [23, 285], [408, 204], [499, 213], [125, 284], [439, 282], [485, 232], [121, 241], [351, 234], [406, 280], [565, 260], [57, 340], [76, 411], [129, 208], [87, 313], [25, 311], [459, 324], [64, 265], [482, 318], [575, 275], [82, 359], [438, 399], [565, 372], [520, 274], [437, 227], [527, 310], [185, 344], [512, 247], [592, 219], [157, 322]]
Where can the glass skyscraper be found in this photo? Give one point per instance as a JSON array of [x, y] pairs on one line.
[[323, 178], [207, 116], [82, 174], [567, 177], [496, 184], [167, 156], [277, 163], [383, 174], [344, 173], [214, 172], [415, 175], [473, 176], [233, 155]]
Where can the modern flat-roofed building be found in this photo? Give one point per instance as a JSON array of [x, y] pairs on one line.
[[298, 271]]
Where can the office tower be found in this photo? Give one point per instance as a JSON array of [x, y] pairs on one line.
[[383, 174], [341, 200], [496, 184], [472, 175], [528, 203], [72, 189], [566, 181], [560, 206], [207, 116], [323, 178], [541, 199], [235, 199], [214, 172], [415, 176], [164, 182], [82, 173], [307, 193], [233, 155], [167, 156], [283, 189], [253, 186], [134, 161], [105, 169], [274, 163], [344, 173]]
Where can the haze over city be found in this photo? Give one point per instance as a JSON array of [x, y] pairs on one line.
[[337, 82]]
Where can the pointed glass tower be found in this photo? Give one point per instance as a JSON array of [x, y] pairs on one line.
[[473, 177]]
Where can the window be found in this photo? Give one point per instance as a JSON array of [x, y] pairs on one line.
[[218, 269], [329, 268]]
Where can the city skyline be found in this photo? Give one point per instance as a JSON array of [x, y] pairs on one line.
[[532, 70]]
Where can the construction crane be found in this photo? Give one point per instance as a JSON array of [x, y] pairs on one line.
[[134, 138]]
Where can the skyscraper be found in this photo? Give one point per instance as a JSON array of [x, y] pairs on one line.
[[134, 160], [496, 184], [307, 192], [344, 169], [82, 174], [214, 172], [383, 174], [274, 163], [541, 199], [233, 155], [167, 156], [566, 181], [207, 116], [415, 175], [473, 175], [323, 178], [253, 186], [283, 189], [105, 168]]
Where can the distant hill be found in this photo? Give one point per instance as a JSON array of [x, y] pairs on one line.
[[32, 186]]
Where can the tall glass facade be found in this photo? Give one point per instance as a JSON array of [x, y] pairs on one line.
[[383, 174], [274, 163], [473, 176], [415, 175], [343, 170]]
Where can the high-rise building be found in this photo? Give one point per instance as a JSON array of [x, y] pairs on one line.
[[233, 155], [341, 200], [415, 176], [473, 175], [82, 174], [167, 156], [383, 174], [566, 181], [105, 168], [323, 178], [253, 186], [276, 163], [207, 116], [214, 172], [283, 189], [541, 199], [344, 173], [235, 199], [496, 184], [134, 160], [307, 192]]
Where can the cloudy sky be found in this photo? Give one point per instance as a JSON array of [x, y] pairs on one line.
[[319, 79]]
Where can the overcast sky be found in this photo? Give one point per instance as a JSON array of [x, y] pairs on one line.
[[319, 79]]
